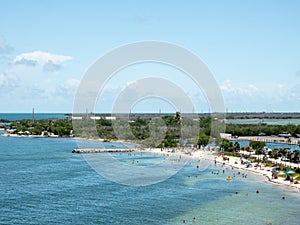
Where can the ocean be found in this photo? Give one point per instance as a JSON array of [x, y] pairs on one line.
[[42, 182], [37, 116]]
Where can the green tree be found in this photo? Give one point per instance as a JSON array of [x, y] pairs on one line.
[[236, 146], [257, 146], [227, 146], [203, 139], [178, 118]]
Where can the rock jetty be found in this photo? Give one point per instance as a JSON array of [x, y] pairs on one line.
[[100, 150]]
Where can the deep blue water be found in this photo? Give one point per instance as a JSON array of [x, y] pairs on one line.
[[37, 116], [42, 182]]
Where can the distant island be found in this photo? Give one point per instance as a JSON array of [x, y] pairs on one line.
[[139, 126], [137, 130]]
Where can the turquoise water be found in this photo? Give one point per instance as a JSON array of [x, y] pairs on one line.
[[42, 182], [267, 121], [271, 145]]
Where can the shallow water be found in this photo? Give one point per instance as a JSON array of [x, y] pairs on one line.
[[42, 182], [272, 145], [266, 121]]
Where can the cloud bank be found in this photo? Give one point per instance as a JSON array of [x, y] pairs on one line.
[[8, 82], [4, 47], [261, 97], [49, 62], [68, 88]]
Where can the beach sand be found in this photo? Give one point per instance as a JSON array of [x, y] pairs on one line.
[[232, 162], [263, 171]]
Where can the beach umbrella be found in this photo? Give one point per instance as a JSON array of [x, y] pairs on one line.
[[289, 172]]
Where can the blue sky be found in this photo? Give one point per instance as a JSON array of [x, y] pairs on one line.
[[252, 48]]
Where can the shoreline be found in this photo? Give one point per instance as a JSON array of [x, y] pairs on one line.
[[267, 139], [233, 162], [263, 171], [57, 136]]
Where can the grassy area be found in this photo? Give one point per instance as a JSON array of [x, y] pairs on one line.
[[270, 164], [234, 154], [282, 175], [296, 176]]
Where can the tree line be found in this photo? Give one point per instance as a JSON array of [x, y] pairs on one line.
[[262, 129], [176, 130]]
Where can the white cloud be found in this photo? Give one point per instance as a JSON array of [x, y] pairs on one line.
[[295, 92], [27, 62], [50, 66], [239, 89], [8, 82], [260, 96], [227, 86], [4, 47], [252, 87], [35, 92], [72, 84], [68, 88], [50, 62]]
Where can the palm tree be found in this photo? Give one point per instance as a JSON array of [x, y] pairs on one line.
[[178, 120], [289, 141], [236, 146]]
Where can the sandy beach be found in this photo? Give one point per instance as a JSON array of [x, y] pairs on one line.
[[206, 154], [233, 162], [263, 171]]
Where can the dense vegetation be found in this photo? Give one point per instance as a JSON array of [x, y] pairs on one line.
[[139, 130], [60, 127], [262, 128], [233, 149], [170, 130], [4, 121]]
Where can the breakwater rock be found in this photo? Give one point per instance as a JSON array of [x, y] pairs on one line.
[[100, 150]]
